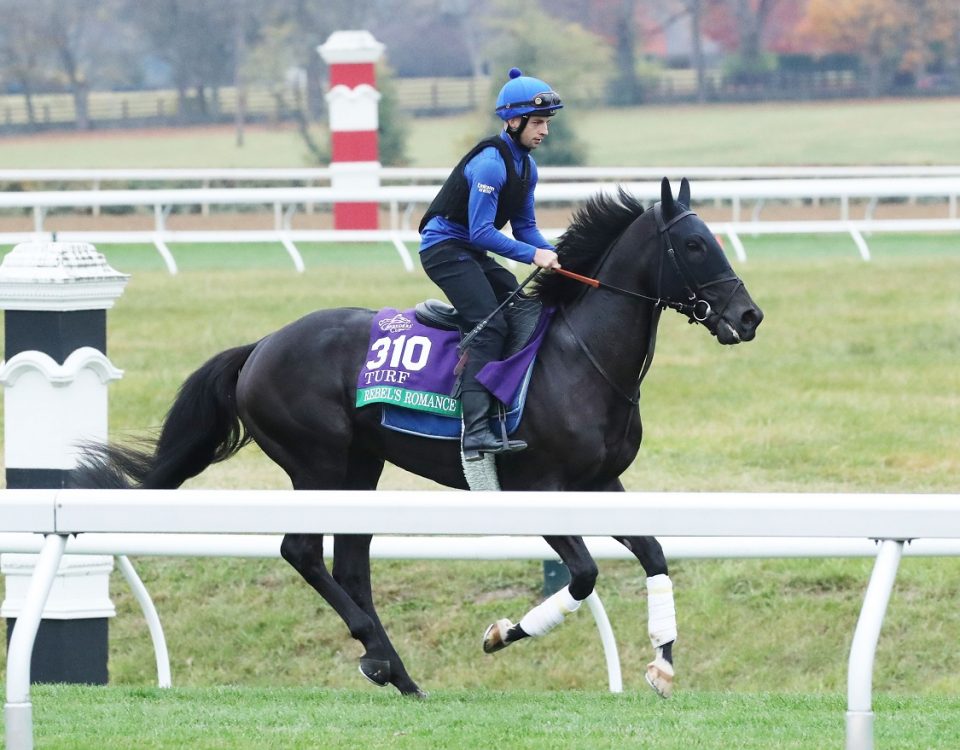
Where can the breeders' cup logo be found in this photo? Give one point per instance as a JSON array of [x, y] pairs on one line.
[[396, 324]]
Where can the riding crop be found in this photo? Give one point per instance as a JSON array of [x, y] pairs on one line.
[[465, 342]]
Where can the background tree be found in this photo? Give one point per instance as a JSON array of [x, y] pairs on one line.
[[932, 38], [624, 87], [752, 16], [876, 29], [309, 24], [573, 60], [274, 62], [591, 49], [436, 38], [285, 59], [22, 53], [393, 125], [751, 63], [465, 15], [242, 13], [695, 9], [196, 39], [69, 31], [75, 47]]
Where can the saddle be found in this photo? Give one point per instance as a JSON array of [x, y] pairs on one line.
[[522, 315]]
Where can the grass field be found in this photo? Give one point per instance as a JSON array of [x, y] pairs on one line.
[[913, 131], [291, 719], [850, 385], [837, 357]]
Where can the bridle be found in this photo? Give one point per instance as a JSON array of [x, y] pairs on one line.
[[696, 308], [692, 287]]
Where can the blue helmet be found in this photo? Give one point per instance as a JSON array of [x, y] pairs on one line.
[[523, 95]]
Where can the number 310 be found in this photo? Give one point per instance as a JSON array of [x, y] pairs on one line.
[[412, 352]]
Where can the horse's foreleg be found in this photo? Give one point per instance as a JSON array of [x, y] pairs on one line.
[[661, 612], [551, 612], [305, 553], [351, 570]]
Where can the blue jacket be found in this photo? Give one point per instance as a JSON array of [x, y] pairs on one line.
[[487, 174]]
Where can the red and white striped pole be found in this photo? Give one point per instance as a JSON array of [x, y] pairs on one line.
[[353, 103]]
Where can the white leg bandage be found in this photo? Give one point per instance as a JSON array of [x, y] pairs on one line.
[[549, 613], [481, 475], [661, 613]]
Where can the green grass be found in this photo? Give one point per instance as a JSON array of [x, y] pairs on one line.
[[187, 148], [844, 388], [71, 718], [851, 133], [908, 131], [850, 386]]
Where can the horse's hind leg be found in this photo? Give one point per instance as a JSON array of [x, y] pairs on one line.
[[351, 570], [551, 612], [305, 553], [661, 612], [347, 590], [381, 664]]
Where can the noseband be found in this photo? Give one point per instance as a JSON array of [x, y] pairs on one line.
[[696, 307]]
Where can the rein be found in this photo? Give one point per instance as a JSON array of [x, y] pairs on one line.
[[696, 308]]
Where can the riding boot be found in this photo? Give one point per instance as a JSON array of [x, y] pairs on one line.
[[478, 438]]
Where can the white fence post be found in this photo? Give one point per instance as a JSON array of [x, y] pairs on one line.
[[18, 710], [859, 719]]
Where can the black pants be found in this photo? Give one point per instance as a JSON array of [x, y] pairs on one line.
[[475, 284]]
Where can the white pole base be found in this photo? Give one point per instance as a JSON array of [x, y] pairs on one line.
[[859, 730], [18, 718]]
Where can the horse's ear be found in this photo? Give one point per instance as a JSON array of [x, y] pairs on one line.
[[684, 195], [666, 197]]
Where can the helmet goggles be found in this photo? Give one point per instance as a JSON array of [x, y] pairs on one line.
[[547, 100]]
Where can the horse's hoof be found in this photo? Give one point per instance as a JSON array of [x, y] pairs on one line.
[[417, 694], [375, 670], [659, 676], [495, 637]]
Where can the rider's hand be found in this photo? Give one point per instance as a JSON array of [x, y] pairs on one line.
[[545, 258]]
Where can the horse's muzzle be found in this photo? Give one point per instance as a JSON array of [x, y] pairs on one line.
[[735, 328]]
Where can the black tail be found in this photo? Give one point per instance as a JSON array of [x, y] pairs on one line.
[[201, 428]]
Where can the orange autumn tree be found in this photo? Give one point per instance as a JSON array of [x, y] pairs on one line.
[[888, 35]]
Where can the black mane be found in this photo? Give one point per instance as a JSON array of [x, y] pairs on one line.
[[594, 228]]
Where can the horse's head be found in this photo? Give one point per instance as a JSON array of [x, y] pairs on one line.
[[695, 277]]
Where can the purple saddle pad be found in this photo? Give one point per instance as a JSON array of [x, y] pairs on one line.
[[410, 370]]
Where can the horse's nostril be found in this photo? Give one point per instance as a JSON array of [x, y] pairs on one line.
[[751, 318]]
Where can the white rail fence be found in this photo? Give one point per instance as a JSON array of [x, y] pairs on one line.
[[321, 175], [121, 546], [285, 199], [794, 519], [566, 186]]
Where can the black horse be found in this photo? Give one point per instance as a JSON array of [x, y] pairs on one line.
[[293, 392]]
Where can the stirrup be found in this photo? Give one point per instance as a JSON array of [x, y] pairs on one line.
[[494, 447]]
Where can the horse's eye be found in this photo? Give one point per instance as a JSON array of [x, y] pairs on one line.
[[695, 244]]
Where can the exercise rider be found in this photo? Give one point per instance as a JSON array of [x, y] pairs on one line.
[[491, 185]]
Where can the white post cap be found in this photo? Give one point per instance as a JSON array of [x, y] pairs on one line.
[[350, 47], [58, 276]]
